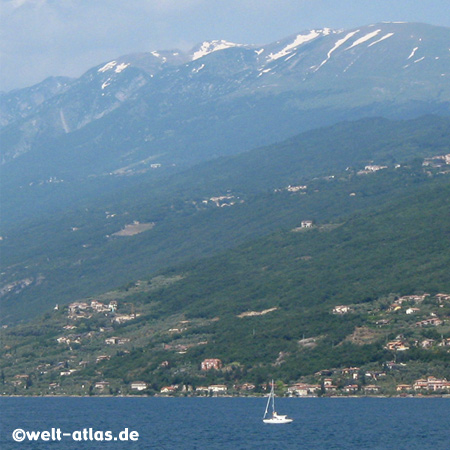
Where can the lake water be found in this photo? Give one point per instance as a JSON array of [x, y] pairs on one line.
[[230, 423]]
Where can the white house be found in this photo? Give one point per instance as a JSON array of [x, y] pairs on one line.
[[217, 388], [307, 224], [139, 385]]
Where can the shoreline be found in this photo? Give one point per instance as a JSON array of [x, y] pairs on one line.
[[228, 396]]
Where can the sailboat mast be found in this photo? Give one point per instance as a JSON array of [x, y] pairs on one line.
[[267, 408], [273, 398]]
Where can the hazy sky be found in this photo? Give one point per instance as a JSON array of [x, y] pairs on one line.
[[40, 38]]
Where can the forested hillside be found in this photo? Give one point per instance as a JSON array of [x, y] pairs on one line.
[[268, 307], [81, 251]]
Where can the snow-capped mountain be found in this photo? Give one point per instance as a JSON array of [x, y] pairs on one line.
[[222, 98]]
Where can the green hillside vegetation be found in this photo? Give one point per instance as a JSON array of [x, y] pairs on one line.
[[74, 252], [322, 151], [304, 274], [284, 287]]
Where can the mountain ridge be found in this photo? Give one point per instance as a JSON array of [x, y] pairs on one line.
[[226, 78]]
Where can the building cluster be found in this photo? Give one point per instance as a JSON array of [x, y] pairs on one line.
[[429, 384], [303, 389], [101, 386], [75, 338], [345, 381], [122, 318], [211, 364], [431, 321], [400, 344], [296, 188], [212, 389], [222, 201], [114, 340], [416, 299], [437, 161], [341, 309], [80, 338], [410, 305], [84, 310], [290, 188], [306, 224], [339, 381], [398, 304], [372, 168]]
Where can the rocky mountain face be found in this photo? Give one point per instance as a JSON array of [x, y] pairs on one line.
[[221, 98], [22, 103]]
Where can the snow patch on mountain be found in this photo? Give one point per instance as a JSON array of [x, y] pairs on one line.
[[209, 47], [290, 56], [413, 52], [118, 68], [121, 67], [336, 46], [263, 71], [299, 40], [386, 36], [363, 39], [197, 69], [162, 58], [108, 66]]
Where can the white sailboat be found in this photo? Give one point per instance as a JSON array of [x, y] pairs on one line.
[[275, 417]]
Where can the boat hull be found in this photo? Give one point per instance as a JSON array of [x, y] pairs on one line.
[[277, 421]]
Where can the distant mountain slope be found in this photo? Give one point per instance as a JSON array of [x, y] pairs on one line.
[[224, 98], [314, 153], [21, 103], [321, 152], [78, 251]]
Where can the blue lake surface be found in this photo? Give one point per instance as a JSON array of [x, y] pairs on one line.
[[232, 423]]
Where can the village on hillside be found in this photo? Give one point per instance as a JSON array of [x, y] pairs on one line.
[[89, 335]]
